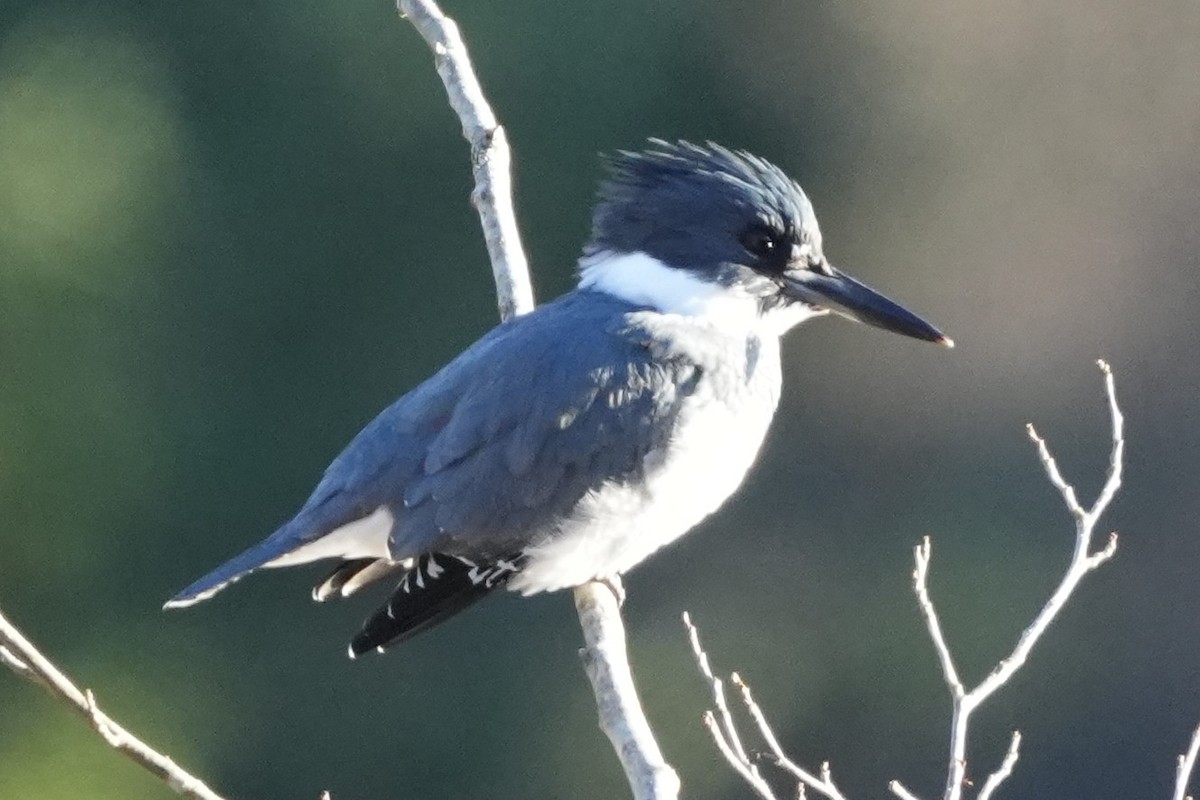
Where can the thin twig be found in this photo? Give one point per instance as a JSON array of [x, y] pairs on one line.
[[900, 790], [725, 734], [1083, 561], [23, 658], [921, 587], [728, 728], [1184, 766], [740, 765], [17, 665], [822, 783], [490, 157], [1004, 770]]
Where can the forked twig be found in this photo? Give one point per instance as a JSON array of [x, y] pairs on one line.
[[728, 742], [1004, 770], [1083, 561], [721, 725]]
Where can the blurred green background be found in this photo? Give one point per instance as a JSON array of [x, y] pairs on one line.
[[230, 232]]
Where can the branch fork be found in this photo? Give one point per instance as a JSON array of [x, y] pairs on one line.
[[963, 701]]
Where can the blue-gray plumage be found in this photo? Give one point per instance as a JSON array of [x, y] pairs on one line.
[[570, 443]]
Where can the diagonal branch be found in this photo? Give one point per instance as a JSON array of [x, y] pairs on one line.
[[490, 156], [920, 586], [725, 735], [1184, 766], [621, 717], [604, 654], [1083, 561], [1006, 767], [23, 658]]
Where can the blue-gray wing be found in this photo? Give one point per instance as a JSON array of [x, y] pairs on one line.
[[482, 457]]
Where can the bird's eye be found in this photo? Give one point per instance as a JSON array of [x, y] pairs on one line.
[[761, 242]]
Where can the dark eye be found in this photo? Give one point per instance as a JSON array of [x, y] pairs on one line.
[[762, 242]]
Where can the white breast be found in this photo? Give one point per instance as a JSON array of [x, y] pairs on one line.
[[716, 439]]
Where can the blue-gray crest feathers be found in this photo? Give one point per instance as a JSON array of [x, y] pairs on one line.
[[685, 204]]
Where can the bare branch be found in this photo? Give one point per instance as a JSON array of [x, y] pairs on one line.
[[1082, 562], [621, 717], [1056, 478], [18, 666], [921, 556], [1184, 766], [490, 157], [1005, 769], [900, 790], [740, 765], [725, 733], [1116, 457], [23, 658], [729, 730]]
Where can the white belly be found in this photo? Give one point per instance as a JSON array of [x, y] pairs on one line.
[[715, 442]]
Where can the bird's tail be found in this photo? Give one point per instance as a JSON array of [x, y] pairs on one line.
[[232, 570], [284, 540], [436, 588]]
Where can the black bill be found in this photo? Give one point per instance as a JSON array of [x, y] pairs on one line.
[[847, 297]]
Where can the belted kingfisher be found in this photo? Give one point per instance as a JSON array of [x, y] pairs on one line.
[[570, 443]]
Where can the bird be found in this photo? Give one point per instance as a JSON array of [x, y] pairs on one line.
[[570, 443]]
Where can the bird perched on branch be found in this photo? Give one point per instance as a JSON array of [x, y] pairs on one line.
[[570, 443]]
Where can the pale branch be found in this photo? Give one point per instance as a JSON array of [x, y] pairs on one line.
[[605, 657], [920, 585], [491, 159], [900, 790], [728, 741], [740, 765], [1083, 561], [1183, 767], [724, 733], [18, 666], [821, 783], [606, 662], [1004, 770], [23, 658], [728, 729]]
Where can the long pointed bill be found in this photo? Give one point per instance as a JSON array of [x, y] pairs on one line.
[[847, 297]]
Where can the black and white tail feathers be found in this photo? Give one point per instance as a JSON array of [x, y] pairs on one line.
[[435, 587]]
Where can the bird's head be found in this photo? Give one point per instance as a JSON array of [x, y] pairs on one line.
[[709, 231]]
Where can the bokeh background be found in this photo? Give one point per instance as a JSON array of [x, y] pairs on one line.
[[230, 232]]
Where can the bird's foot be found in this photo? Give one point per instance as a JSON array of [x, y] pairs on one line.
[[613, 582]]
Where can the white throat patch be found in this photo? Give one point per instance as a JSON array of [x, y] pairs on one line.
[[644, 280]]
